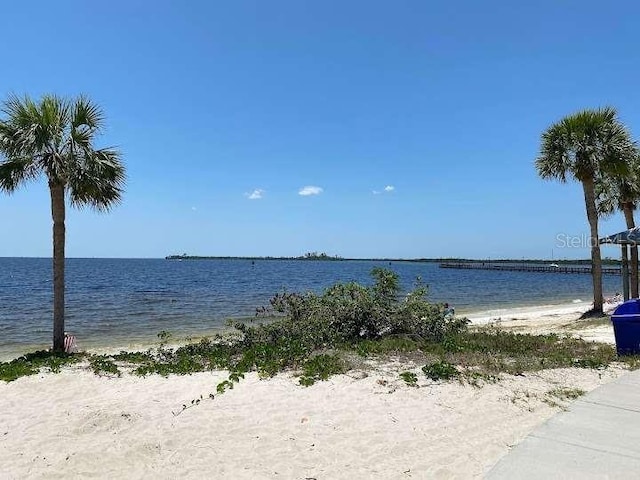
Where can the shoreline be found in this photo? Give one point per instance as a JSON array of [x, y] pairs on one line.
[[515, 316], [527, 312], [557, 319]]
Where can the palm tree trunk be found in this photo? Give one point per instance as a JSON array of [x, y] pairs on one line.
[[625, 272], [58, 215], [596, 261], [627, 209]]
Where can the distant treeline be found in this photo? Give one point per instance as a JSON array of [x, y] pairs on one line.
[[306, 256], [323, 256]]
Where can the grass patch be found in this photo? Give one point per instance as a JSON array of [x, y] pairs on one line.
[[496, 351], [632, 361], [556, 397], [583, 324], [564, 393]]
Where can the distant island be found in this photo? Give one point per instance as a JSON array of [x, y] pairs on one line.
[[326, 257], [306, 256]]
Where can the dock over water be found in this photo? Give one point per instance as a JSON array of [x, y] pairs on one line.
[[528, 268]]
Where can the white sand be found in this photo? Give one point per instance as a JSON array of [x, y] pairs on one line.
[[560, 319], [75, 424], [357, 426]]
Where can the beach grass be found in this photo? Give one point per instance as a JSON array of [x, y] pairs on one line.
[[586, 323]]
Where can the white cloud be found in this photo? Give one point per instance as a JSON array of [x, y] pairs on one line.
[[310, 190], [387, 189], [194, 208], [255, 195]]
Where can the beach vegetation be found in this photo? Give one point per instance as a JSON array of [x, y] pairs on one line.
[[587, 146], [321, 367], [351, 313], [565, 393], [441, 370], [103, 365], [390, 344], [33, 363], [54, 138], [409, 378], [133, 357], [587, 323], [557, 397]]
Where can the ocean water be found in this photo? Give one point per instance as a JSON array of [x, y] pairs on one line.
[[125, 302]]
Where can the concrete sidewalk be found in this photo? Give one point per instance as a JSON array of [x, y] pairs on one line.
[[599, 437]]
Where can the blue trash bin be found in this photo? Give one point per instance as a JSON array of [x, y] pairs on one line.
[[626, 327]]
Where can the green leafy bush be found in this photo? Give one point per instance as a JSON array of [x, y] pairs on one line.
[[351, 313], [410, 378], [321, 367], [440, 370]]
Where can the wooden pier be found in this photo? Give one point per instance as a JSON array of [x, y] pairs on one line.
[[528, 268]]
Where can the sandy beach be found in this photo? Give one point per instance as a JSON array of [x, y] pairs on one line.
[[559, 319], [366, 424]]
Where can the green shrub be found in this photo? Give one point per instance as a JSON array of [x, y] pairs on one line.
[[440, 370], [351, 313], [321, 367], [410, 378]]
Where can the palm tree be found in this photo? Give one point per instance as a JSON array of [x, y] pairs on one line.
[[54, 137], [622, 193], [586, 146]]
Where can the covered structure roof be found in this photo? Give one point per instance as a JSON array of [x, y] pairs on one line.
[[628, 237]]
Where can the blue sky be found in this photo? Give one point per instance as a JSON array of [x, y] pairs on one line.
[[215, 102]]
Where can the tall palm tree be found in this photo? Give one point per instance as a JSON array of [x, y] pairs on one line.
[[54, 137], [586, 146], [622, 193]]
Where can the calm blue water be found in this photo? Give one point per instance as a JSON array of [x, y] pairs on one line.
[[127, 301]]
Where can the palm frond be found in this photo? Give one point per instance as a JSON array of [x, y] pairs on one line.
[[55, 136], [585, 145], [86, 114], [96, 179], [15, 172], [615, 190]]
